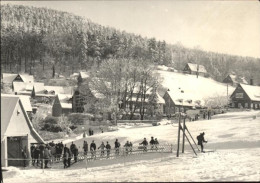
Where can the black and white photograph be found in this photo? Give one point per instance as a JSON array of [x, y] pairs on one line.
[[130, 91]]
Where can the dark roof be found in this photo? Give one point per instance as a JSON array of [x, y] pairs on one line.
[[8, 105]]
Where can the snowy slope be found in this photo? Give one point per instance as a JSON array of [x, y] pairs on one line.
[[235, 136], [199, 88]]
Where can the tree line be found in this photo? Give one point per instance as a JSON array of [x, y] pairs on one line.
[[39, 40]]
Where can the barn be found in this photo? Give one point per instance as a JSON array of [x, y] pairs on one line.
[[177, 100], [17, 131], [234, 80], [246, 96], [62, 105], [194, 68]]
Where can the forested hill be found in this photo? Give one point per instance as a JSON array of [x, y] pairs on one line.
[[36, 39]]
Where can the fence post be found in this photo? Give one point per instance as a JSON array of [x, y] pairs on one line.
[[171, 148]]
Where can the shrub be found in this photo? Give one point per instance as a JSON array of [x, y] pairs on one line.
[[79, 119], [51, 124]]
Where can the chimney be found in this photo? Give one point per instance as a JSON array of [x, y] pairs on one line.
[[251, 81]]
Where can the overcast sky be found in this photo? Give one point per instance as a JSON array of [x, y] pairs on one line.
[[231, 27]]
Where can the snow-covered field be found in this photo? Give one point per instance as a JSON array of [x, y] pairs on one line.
[[235, 137]]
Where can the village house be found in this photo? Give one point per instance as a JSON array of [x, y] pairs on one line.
[[194, 68], [10, 78], [234, 80], [134, 100], [246, 96], [84, 96], [17, 131], [176, 100], [83, 75], [62, 105], [25, 101]]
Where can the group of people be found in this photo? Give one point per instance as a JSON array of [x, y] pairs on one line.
[[42, 154], [153, 143]]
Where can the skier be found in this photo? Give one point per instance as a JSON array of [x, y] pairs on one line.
[[201, 139], [85, 147], [152, 142], [145, 143], [117, 145], [108, 147], [93, 149], [102, 147]]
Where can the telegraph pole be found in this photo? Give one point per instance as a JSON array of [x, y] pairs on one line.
[[179, 128], [183, 137]]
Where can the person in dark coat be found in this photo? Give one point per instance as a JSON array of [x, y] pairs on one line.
[[36, 155], [144, 143], [85, 147], [201, 139], [117, 145], [152, 142], [75, 153], [41, 147], [127, 145], [46, 156], [72, 147], [92, 132], [102, 147], [93, 149], [69, 157], [209, 114], [32, 153], [24, 155], [65, 158], [156, 143], [130, 147], [108, 148], [89, 131]]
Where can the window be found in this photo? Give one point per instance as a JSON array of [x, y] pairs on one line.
[[239, 95], [246, 105]]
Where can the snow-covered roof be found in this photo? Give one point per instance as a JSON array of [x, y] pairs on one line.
[[83, 74], [38, 87], [137, 89], [56, 89], [193, 67], [7, 112], [8, 78], [24, 99], [236, 79], [27, 78], [253, 92], [64, 101], [160, 100], [19, 86], [185, 99]]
